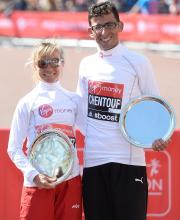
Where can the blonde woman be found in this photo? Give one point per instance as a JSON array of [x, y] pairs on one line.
[[48, 105]]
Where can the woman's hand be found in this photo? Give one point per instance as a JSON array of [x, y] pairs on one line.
[[44, 182]]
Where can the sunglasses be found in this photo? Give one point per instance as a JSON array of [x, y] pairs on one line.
[[54, 63]]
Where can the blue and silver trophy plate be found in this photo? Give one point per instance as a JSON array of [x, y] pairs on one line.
[[145, 119]]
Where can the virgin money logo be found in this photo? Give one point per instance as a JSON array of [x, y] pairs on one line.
[[45, 111], [94, 87], [105, 88]]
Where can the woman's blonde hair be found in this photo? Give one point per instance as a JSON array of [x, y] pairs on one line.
[[45, 48]]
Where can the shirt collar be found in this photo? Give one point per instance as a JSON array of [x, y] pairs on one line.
[[48, 86], [111, 52]]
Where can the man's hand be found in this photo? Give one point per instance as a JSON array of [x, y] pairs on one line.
[[160, 144], [43, 181]]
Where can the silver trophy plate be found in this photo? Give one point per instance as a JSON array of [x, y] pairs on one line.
[[145, 119], [52, 154]]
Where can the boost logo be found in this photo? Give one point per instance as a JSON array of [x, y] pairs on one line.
[[45, 111]]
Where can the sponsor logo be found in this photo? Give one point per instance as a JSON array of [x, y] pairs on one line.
[[114, 118], [45, 111], [102, 55], [139, 180], [75, 206], [99, 87], [62, 110]]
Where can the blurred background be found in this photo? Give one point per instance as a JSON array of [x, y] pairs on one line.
[[151, 27]]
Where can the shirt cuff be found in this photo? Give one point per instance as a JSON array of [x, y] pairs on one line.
[[30, 175]]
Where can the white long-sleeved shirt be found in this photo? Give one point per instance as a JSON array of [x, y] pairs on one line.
[[46, 106], [107, 81]]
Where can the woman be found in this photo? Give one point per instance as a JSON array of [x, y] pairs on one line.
[[48, 105]]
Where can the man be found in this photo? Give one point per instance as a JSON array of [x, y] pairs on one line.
[[108, 79]]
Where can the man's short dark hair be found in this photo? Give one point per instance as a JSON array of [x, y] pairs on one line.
[[101, 9]]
